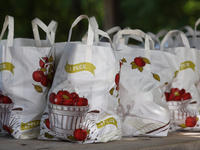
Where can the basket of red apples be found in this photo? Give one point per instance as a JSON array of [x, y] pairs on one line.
[[6, 106], [66, 112]]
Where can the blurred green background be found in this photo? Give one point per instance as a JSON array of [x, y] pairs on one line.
[[147, 15]]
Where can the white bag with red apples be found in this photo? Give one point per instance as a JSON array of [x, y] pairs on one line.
[[182, 95], [144, 71], [26, 72], [83, 99]]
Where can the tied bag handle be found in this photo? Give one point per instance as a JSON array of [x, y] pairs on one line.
[[175, 32], [149, 43], [50, 31], [9, 22]]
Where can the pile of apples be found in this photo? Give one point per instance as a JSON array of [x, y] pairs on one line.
[[67, 98], [177, 95], [40, 75]]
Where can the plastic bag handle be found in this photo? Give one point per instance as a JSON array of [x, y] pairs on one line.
[[170, 33], [190, 31], [95, 26], [149, 43], [52, 28], [37, 22], [111, 31], [90, 30], [9, 22]]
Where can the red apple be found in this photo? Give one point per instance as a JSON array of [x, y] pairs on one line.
[[167, 96], [61, 93], [182, 91], [6, 100], [1, 93], [43, 60], [1, 99], [47, 123], [139, 62], [80, 134], [45, 80], [38, 76], [51, 97], [190, 121], [7, 129], [120, 64], [117, 79], [73, 95], [68, 102], [81, 102], [58, 100], [186, 96]]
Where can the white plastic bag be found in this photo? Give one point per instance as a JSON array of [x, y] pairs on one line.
[[144, 71], [26, 72], [181, 95], [83, 99]]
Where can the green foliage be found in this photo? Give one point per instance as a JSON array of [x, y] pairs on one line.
[[62, 11], [154, 15], [147, 15]]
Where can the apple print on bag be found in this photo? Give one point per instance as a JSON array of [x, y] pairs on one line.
[[122, 61], [6, 105], [67, 112], [114, 91], [178, 101], [139, 63], [45, 74]]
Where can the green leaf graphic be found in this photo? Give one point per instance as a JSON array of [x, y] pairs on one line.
[[111, 91], [48, 135], [140, 68], [72, 138], [123, 60], [146, 60], [43, 69], [134, 66], [156, 77], [38, 88], [50, 59]]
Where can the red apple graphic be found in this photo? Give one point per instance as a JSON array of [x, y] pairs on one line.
[[47, 123], [190, 121], [7, 129], [45, 80], [68, 102], [175, 96], [51, 97], [43, 60], [117, 81], [38, 76], [80, 134], [58, 100], [73, 95], [81, 102], [167, 96], [139, 62], [61, 93], [6, 100], [186, 96]]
